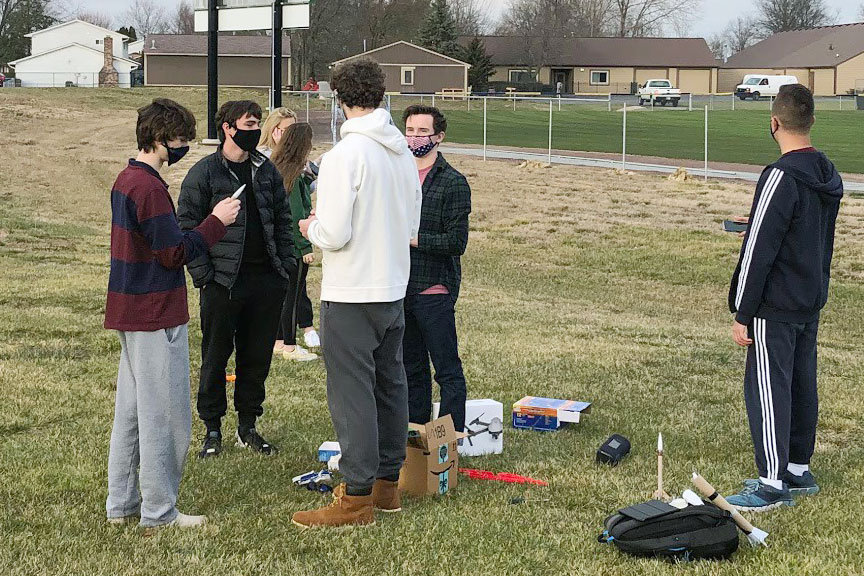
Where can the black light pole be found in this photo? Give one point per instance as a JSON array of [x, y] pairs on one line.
[[277, 54], [212, 68]]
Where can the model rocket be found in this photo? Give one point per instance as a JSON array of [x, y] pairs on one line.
[[660, 494], [754, 535]]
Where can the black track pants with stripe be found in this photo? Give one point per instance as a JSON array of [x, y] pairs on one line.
[[780, 393]]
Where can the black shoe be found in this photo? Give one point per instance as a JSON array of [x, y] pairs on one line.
[[212, 445], [252, 440]]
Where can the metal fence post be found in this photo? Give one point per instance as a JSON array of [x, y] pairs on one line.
[[841, 102], [624, 141], [706, 143], [433, 100], [550, 129], [307, 107], [733, 101], [610, 101], [484, 128], [690, 105]]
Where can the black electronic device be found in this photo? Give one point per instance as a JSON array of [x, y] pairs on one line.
[[733, 226], [613, 450]]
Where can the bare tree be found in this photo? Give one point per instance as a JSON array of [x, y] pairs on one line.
[[593, 16], [861, 12], [741, 33], [183, 19], [471, 16], [718, 46], [94, 17], [652, 17], [784, 15], [147, 16]]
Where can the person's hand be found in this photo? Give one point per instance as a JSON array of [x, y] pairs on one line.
[[304, 225], [415, 242], [277, 134], [309, 258], [741, 220], [226, 211], [739, 334]]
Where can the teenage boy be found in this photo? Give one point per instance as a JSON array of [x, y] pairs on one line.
[[777, 292], [147, 306], [436, 273], [244, 279], [367, 214]]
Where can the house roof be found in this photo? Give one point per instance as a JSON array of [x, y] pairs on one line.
[[196, 45], [613, 52], [408, 44], [70, 45], [826, 46], [104, 31]]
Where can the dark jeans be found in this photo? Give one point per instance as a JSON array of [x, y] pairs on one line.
[[366, 389], [246, 318], [297, 309], [430, 332]]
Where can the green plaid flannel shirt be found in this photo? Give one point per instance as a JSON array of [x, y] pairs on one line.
[[443, 230]]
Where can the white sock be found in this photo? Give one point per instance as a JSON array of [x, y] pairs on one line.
[[778, 484], [798, 469]]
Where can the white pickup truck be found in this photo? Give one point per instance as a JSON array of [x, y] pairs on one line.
[[659, 91]]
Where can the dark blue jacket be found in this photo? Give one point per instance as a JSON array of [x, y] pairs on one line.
[[785, 261]]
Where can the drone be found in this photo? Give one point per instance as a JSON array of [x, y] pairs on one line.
[[494, 427]]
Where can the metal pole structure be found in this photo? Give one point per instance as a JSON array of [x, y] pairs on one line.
[[733, 101], [610, 102], [307, 107], [276, 94], [433, 100], [690, 103], [212, 68], [550, 129], [624, 141], [485, 100], [706, 143]]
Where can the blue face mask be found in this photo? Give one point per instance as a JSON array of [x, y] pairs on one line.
[[175, 154]]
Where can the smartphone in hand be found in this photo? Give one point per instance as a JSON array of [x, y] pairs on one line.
[[732, 226]]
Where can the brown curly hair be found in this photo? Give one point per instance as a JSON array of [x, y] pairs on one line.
[[359, 83], [161, 121], [292, 152]]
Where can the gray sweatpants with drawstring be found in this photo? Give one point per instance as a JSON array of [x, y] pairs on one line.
[[152, 425]]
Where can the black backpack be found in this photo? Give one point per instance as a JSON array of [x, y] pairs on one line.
[[694, 532]]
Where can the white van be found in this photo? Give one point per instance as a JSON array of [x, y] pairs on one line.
[[756, 86]]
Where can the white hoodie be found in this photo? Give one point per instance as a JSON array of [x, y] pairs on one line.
[[368, 210]]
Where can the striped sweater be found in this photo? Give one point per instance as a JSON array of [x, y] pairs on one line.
[[147, 285]]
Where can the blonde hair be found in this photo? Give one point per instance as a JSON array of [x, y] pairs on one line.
[[273, 120]]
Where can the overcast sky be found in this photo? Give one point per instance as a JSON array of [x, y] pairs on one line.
[[714, 14]]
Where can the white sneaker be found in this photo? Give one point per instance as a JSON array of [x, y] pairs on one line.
[[186, 521], [312, 339], [119, 520], [299, 354]]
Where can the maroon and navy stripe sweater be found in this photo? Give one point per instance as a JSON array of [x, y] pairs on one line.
[[147, 285]]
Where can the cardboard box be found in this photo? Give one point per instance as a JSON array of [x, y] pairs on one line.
[[536, 413], [432, 459], [327, 450], [484, 427]]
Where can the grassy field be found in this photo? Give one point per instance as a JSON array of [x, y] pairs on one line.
[[739, 136], [584, 284]]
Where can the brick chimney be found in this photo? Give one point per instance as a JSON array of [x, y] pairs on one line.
[[108, 76]]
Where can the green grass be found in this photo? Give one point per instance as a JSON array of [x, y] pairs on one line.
[[572, 289], [739, 136]]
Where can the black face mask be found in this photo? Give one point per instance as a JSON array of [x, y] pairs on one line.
[[773, 131], [175, 154], [247, 140]]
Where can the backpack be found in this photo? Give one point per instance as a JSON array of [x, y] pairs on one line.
[[694, 532]]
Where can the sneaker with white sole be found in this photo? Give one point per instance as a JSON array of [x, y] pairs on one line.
[[759, 497], [119, 520], [804, 485], [312, 339], [252, 440], [299, 354], [186, 521]]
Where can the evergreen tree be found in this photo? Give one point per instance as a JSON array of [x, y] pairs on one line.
[[438, 30], [24, 17], [481, 64]]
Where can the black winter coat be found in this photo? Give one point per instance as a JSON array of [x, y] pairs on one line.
[[211, 181]]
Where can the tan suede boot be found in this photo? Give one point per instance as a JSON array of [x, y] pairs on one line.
[[345, 510], [385, 496]]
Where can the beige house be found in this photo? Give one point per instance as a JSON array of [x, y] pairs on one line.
[[829, 60], [411, 69], [181, 60], [602, 65]]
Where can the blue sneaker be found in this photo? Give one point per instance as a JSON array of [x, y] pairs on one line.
[[759, 497], [803, 485]]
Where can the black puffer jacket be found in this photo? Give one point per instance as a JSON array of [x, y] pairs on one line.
[[211, 181]]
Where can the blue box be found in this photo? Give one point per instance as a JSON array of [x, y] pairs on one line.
[[535, 413]]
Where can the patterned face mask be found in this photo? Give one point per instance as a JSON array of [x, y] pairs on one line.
[[420, 145]]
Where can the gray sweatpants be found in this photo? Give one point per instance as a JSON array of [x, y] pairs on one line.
[[367, 391], [152, 425]]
